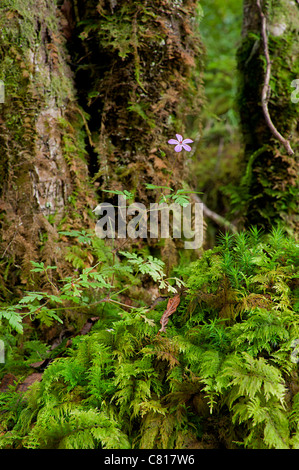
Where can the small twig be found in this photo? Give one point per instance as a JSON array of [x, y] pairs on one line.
[[266, 87], [215, 217]]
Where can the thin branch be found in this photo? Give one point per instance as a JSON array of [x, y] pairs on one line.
[[266, 87], [215, 217]]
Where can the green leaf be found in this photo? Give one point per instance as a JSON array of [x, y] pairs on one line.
[[153, 186], [47, 316], [38, 266], [14, 318], [125, 193], [31, 297], [181, 199]]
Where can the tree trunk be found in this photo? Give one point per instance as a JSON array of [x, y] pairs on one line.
[[136, 62], [269, 118], [138, 72], [136, 66], [43, 169]]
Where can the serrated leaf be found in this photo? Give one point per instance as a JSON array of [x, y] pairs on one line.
[[31, 297], [14, 319], [154, 186]]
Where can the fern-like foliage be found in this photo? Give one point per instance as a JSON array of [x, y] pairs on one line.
[[225, 369]]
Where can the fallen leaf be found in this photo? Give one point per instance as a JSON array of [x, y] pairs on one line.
[[88, 325], [172, 305]]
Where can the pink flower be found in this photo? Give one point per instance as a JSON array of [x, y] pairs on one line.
[[180, 143]]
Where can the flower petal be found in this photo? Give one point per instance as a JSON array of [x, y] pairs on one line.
[[173, 141], [187, 141], [179, 137], [178, 148], [186, 147]]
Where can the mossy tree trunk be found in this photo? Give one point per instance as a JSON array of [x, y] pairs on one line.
[[133, 67], [269, 184], [139, 78], [139, 75], [43, 172]]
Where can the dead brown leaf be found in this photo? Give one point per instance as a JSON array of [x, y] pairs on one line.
[[172, 305]]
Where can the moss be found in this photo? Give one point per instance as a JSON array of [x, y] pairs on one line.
[[39, 90], [271, 196], [139, 67]]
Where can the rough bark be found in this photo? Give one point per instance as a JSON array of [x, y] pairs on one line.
[[269, 185], [140, 63], [138, 72], [135, 66], [43, 169]]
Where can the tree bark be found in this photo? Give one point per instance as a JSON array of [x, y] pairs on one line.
[[268, 63], [43, 168], [107, 105], [140, 63], [138, 71]]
